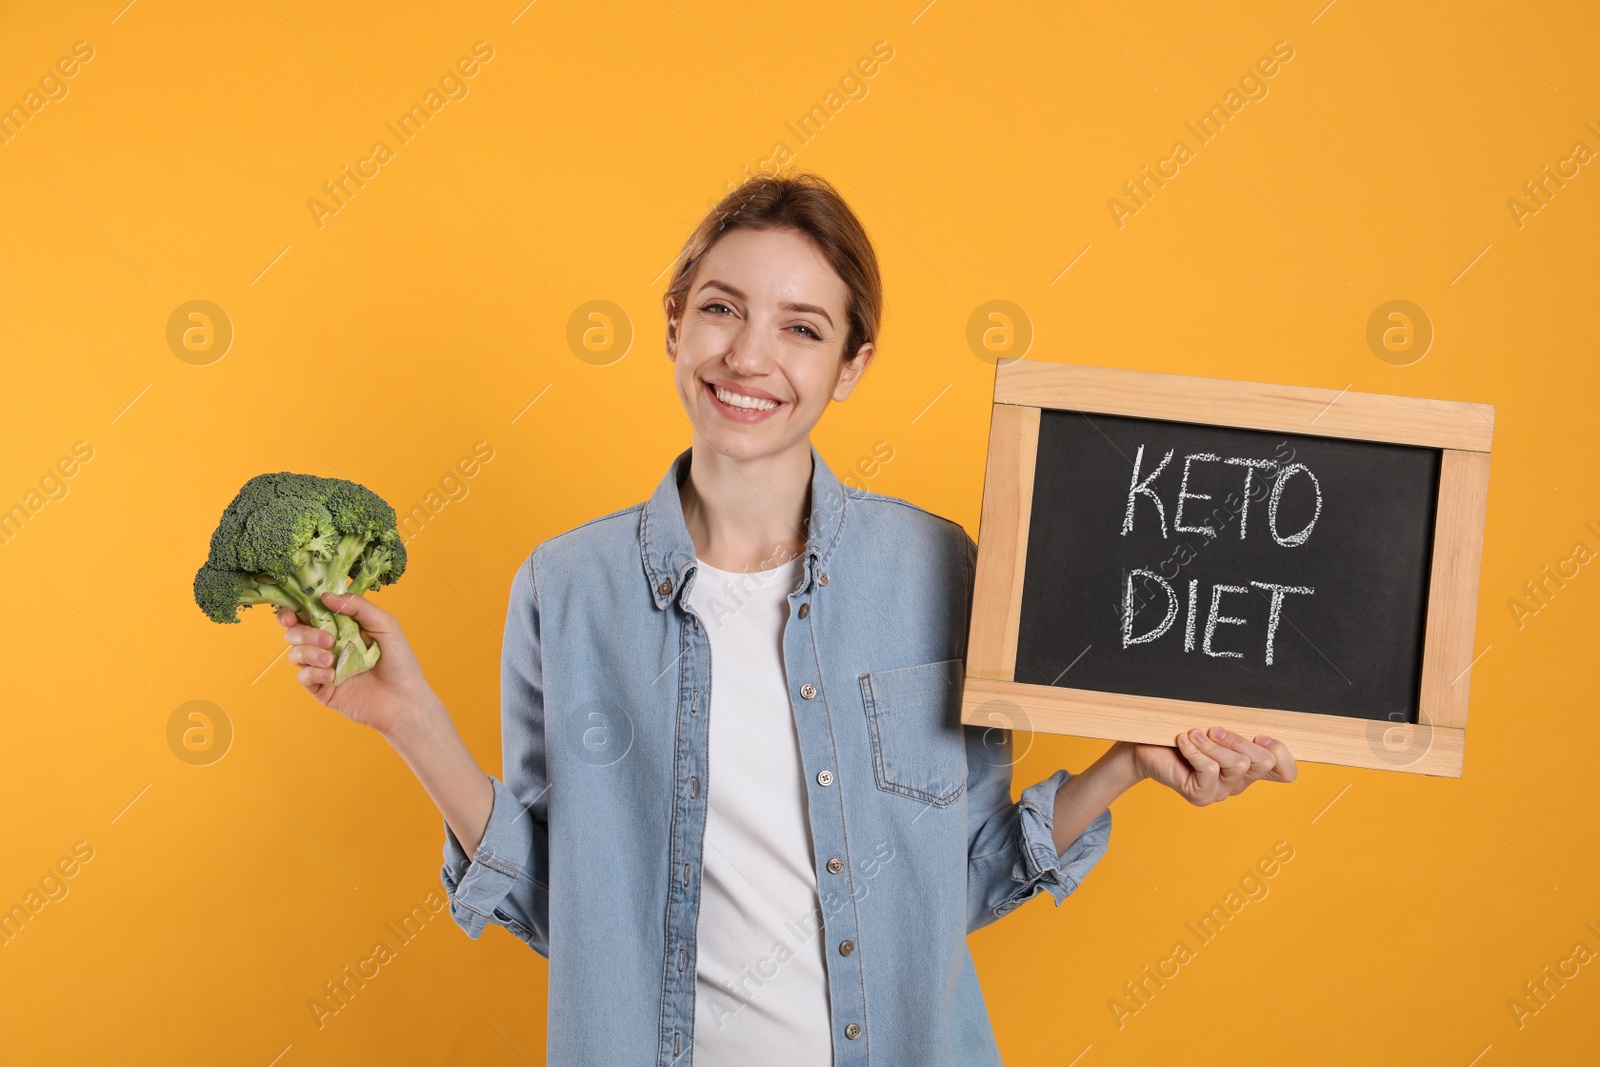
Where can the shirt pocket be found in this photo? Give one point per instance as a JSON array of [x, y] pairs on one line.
[[914, 719]]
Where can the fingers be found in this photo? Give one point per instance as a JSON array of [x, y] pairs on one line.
[[297, 633], [314, 676], [1225, 763], [1242, 761], [308, 649], [1284, 768], [310, 655], [1235, 765], [372, 618], [1206, 769], [1266, 758], [1258, 760]]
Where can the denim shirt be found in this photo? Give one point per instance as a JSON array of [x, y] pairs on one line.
[[592, 853]]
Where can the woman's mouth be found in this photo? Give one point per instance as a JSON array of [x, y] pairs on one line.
[[740, 407]]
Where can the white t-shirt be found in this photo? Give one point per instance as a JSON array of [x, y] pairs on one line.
[[761, 992]]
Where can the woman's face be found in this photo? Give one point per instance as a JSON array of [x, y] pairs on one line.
[[759, 343]]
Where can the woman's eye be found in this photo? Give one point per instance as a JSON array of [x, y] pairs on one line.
[[715, 304], [814, 335]]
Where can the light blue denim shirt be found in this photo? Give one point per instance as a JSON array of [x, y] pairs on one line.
[[592, 853]]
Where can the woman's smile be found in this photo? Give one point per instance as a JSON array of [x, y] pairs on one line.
[[741, 403]]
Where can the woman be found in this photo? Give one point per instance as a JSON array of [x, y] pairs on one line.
[[739, 813]]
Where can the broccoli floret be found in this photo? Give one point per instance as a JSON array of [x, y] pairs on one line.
[[288, 538], [221, 593]]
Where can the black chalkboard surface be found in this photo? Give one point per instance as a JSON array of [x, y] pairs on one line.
[[1308, 593]]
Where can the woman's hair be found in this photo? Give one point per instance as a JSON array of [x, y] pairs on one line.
[[806, 203]]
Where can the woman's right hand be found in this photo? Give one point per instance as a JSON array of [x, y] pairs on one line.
[[382, 697]]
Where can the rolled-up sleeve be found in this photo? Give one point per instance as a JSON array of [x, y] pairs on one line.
[[1012, 855], [1011, 852], [1039, 866], [505, 881]]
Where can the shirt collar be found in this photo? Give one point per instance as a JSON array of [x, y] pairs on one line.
[[669, 552]]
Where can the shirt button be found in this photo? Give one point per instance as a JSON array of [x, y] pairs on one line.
[[808, 690], [835, 865], [852, 1031], [822, 579], [694, 786], [805, 609], [824, 777], [664, 588], [847, 948]]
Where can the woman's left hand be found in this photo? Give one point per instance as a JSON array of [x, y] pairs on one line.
[[1214, 766]]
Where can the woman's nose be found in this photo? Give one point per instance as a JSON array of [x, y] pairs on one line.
[[750, 355]]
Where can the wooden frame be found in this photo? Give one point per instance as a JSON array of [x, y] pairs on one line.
[[1434, 745]]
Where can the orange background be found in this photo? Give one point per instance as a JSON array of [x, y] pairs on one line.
[[431, 310]]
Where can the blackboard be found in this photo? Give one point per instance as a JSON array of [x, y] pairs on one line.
[[1336, 534], [1343, 620]]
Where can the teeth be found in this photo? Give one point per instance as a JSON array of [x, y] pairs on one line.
[[749, 403]]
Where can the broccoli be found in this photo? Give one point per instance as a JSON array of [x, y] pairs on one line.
[[288, 538]]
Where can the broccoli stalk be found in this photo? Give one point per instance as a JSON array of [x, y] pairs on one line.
[[332, 575], [288, 538]]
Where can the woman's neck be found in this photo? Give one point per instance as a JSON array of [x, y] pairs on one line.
[[747, 515]]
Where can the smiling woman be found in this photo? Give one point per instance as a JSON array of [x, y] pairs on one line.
[[766, 324], [753, 831], [772, 311]]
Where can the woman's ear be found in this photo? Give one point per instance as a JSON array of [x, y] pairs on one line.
[[672, 338], [851, 371]]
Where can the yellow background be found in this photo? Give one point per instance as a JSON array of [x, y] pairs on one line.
[[431, 310]]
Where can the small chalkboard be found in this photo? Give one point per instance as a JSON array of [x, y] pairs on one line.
[[1160, 552]]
